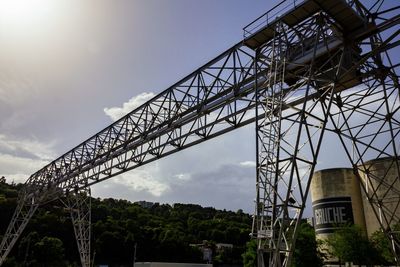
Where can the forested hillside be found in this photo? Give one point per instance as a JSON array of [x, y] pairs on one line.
[[161, 232]]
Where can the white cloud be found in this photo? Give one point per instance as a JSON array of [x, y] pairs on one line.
[[117, 112], [19, 168], [209, 174], [248, 164], [226, 186], [143, 180]]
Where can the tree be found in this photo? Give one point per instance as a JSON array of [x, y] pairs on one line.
[[250, 255], [306, 252], [383, 246], [162, 232], [349, 244], [110, 247], [10, 262], [25, 247], [49, 252]]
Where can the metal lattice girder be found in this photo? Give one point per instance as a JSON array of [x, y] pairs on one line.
[[215, 99], [79, 204]]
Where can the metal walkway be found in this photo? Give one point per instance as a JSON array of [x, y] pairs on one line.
[[263, 28]]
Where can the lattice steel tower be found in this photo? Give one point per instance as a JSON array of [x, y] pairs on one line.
[[321, 65]]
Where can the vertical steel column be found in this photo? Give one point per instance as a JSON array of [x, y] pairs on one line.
[[289, 137], [269, 106], [79, 205]]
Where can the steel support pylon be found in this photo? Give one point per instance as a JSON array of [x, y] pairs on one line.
[[79, 205], [289, 137], [26, 207], [30, 197], [366, 119]]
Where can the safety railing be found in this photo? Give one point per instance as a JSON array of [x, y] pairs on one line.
[[270, 16]]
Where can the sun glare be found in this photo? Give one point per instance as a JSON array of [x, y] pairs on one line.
[[25, 14]]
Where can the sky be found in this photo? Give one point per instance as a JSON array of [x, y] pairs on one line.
[[68, 68]]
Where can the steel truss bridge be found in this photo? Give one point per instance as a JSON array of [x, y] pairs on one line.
[[303, 68]]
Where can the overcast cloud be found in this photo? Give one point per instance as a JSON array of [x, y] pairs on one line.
[[20, 158]]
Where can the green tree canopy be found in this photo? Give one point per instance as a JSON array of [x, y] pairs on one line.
[[383, 246], [162, 232], [250, 255], [49, 252], [307, 253], [350, 244]]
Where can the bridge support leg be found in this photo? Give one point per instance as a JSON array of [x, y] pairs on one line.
[[289, 138], [287, 155], [26, 207], [79, 204]]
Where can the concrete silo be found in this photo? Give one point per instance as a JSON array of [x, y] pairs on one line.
[[336, 200], [384, 183]]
